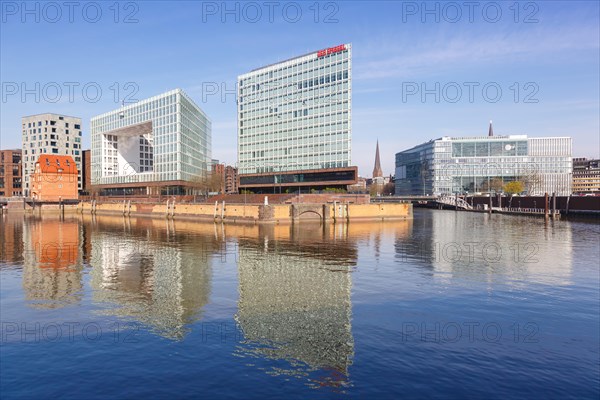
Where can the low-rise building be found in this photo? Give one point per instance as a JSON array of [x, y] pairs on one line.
[[485, 164], [586, 176], [10, 173], [54, 178]]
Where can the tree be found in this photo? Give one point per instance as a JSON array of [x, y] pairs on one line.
[[533, 183], [375, 189], [389, 188], [514, 187], [206, 183], [492, 185]]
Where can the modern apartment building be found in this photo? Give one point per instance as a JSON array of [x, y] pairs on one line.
[[49, 133], [10, 173], [294, 123], [484, 164], [160, 145], [586, 176]]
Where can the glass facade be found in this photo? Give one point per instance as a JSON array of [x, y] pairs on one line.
[[163, 138], [296, 115], [484, 165]]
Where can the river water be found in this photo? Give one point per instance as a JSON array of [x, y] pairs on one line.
[[448, 305]]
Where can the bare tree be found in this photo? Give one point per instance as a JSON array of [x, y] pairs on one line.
[[533, 183]]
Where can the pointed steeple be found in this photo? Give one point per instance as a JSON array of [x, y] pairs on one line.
[[491, 131], [377, 169]]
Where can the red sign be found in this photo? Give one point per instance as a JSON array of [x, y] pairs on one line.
[[331, 50]]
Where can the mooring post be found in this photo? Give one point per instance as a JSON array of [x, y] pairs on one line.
[[334, 211], [455, 201], [347, 212], [546, 205], [490, 207], [553, 204]]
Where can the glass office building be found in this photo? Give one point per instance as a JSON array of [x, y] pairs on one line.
[[161, 145], [296, 116], [473, 165]]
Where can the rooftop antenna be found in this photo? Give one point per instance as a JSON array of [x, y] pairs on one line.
[[122, 113], [491, 130]]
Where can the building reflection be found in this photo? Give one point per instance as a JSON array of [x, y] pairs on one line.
[[478, 246], [52, 262], [11, 239], [294, 302], [150, 272]]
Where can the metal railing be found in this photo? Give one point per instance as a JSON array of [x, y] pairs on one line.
[[454, 201]]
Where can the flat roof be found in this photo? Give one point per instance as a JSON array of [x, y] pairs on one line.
[[348, 47], [50, 113]]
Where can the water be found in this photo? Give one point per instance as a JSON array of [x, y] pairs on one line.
[[450, 304]]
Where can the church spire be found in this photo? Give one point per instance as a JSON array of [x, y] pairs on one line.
[[491, 131], [377, 173]]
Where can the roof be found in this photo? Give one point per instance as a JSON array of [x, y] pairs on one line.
[[52, 162], [50, 113], [348, 46]]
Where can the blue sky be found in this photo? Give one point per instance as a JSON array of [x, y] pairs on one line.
[[549, 50]]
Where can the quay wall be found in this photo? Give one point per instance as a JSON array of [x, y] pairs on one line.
[[566, 204], [254, 213]]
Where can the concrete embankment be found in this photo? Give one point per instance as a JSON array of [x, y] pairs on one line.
[[253, 213]]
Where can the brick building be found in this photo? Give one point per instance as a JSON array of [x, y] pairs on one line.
[[86, 171], [54, 178], [10, 173]]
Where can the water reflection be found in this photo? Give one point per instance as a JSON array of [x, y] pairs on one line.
[[294, 302], [11, 239], [479, 246], [144, 269], [52, 265]]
